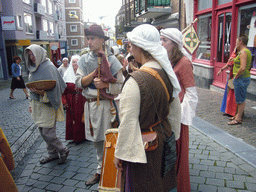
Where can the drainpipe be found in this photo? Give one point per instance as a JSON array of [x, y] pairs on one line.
[[179, 14]]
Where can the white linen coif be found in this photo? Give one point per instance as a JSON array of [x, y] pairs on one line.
[[147, 37], [69, 75]]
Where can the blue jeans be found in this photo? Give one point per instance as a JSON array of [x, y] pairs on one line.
[[240, 88]]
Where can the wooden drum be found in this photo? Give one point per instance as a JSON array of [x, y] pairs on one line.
[[110, 179]]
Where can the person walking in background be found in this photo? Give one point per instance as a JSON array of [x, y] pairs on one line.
[[181, 62], [242, 76], [73, 100], [98, 117], [63, 67], [228, 106], [17, 80], [46, 106]]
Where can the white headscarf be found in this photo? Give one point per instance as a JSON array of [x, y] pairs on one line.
[[176, 36], [69, 75], [147, 37]]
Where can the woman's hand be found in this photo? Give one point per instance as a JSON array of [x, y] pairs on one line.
[[18, 78], [219, 72], [118, 163], [39, 92], [30, 109]]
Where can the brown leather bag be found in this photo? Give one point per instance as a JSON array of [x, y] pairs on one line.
[[150, 140]]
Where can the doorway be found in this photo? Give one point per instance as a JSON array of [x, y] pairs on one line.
[[222, 46]]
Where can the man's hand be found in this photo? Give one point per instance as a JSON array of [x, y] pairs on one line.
[[100, 84], [118, 164], [39, 92], [18, 78], [30, 109]]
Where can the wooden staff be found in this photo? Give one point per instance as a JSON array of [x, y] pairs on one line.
[[98, 90], [184, 30]]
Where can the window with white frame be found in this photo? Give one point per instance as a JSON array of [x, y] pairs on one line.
[[50, 7], [19, 22], [51, 29], [43, 2], [74, 42], [45, 25], [72, 14], [28, 22], [26, 1], [73, 28], [72, 1]]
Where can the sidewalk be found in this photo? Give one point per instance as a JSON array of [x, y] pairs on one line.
[[220, 160]]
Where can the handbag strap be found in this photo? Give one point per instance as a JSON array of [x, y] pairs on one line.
[[157, 76]]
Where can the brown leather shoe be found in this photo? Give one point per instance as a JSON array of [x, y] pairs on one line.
[[94, 179]]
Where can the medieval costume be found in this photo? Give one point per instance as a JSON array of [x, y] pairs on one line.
[[98, 117], [46, 108], [74, 101], [143, 103], [62, 69], [188, 97]]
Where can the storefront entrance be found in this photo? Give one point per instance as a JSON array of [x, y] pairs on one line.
[[222, 46]]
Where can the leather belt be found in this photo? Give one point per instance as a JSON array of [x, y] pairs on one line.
[[93, 100]]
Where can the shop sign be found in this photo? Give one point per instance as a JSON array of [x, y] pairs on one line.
[[62, 51], [24, 42], [8, 23]]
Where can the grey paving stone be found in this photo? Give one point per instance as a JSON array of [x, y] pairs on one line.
[[207, 162], [72, 168], [20, 186], [200, 180], [31, 182], [26, 189], [194, 172], [235, 184], [46, 178], [68, 174], [82, 190], [239, 178], [45, 171], [82, 176], [67, 189], [22, 180], [193, 186], [221, 163], [230, 170], [81, 184], [247, 167], [207, 188], [217, 182], [37, 190], [70, 182], [201, 156], [224, 176], [26, 173], [194, 161], [214, 157], [54, 187], [251, 186], [40, 184], [225, 189], [250, 179], [58, 180], [200, 167], [57, 172], [35, 176], [207, 174], [216, 169]]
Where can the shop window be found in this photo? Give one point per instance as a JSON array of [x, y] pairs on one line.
[[45, 25], [19, 22], [26, 1], [49, 7], [247, 26], [202, 4], [74, 42], [51, 29], [28, 22], [204, 34], [72, 1], [220, 2]]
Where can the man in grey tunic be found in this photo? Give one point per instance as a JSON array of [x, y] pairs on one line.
[[97, 117]]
